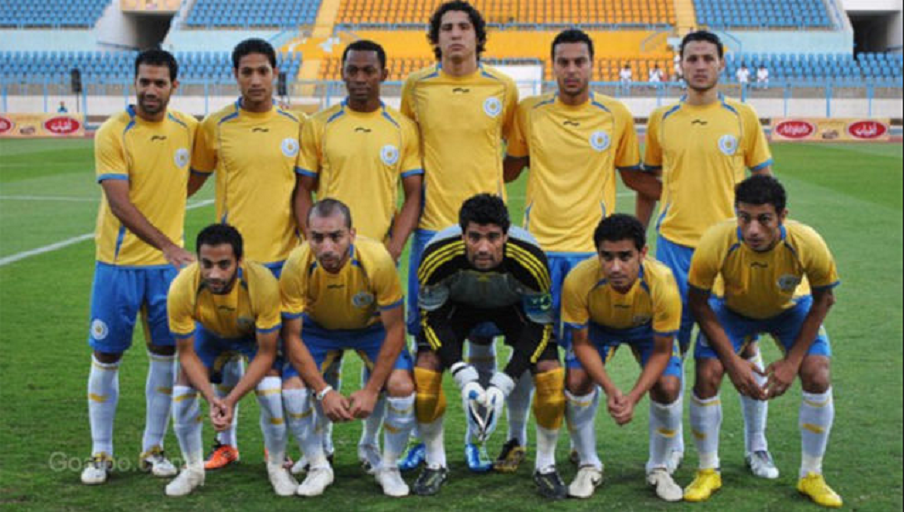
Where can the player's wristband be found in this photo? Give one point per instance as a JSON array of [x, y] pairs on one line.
[[322, 393]]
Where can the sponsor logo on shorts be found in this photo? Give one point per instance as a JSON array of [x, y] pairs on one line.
[[728, 144], [363, 299], [599, 141], [788, 282], [389, 154], [99, 329], [289, 147], [492, 106], [181, 157]]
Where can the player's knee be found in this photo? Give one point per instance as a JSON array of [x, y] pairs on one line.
[[293, 383], [430, 401], [400, 383], [549, 402], [815, 375], [161, 350], [709, 373], [273, 372], [578, 382], [666, 390], [107, 357], [428, 360]]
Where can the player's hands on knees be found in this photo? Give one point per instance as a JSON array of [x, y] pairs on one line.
[[336, 407], [742, 376], [781, 375], [363, 402], [177, 256]]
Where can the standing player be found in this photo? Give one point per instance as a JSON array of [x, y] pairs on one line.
[[621, 297], [464, 110], [358, 152], [221, 306], [701, 147], [573, 140], [762, 259], [252, 146], [141, 161], [482, 271], [342, 292]]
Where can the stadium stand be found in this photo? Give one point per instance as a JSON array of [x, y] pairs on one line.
[[806, 14], [252, 13], [818, 67], [51, 13]]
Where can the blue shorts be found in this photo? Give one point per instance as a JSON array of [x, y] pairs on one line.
[[418, 242], [783, 327], [118, 295], [640, 339], [560, 264], [215, 351], [325, 345], [678, 259]]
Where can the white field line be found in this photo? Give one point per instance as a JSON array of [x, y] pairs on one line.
[[12, 258]]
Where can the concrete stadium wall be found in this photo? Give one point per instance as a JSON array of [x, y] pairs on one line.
[[212, 40], [808, 42]]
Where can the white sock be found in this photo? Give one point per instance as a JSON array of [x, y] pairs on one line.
[[817, 412], [273, 424], [187, 424], [678, 442], [546, 449], [706, 421], [333, 377], [518, 403], [483, 359], [432, 434], [664, 422], [103, 395], [300, 420], [158, 392], [755, 412], [580, 411], [397, 427], [372, 423], [233, 371]]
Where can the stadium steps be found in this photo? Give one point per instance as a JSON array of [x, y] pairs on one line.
[[326, 18], [685, 16]]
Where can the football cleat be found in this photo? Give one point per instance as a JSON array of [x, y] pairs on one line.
[[188, 480], [97, 470], [416, 456], [761, 464], [316, 482], [281, 480], [585, 482], [390, 479], [430, 480], [664, 485], [477, 459], [155, 461], [704, 485], [370, 458], [221, 456], [815, 487], [550, 485], [302, 466], [510, 457]]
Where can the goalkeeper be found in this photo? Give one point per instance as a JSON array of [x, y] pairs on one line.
[[483, 271]]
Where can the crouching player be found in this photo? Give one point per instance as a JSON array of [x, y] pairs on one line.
[[220, 307], [621, 297], [762, 259], [483, 271], [341, 293]]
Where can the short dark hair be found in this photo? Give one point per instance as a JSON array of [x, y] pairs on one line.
[[480, 25], [329, 206], [761, 189], [366, 45], [618, 227], [705, 36], [219, 234], [253, 45], [571, 35], [484, 209], [158, 57]]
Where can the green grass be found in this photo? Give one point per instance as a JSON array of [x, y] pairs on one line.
[[851, 193]]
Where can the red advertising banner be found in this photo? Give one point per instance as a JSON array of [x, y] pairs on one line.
[[831, 129], [27, 126]]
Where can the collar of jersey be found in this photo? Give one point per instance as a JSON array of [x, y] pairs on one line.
[[348, 110], [254, 115]]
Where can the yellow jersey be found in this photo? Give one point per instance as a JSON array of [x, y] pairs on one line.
[[574, 153], [359, 158], [254, 156], [653, 300], [462, 122], [154, 158], [703, 152], [350, 299], [252, 306], [761, 285]]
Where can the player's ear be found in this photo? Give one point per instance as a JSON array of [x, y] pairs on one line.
[[352, 233], [384, 75], [643, 252], [175, 85], [783, 215]]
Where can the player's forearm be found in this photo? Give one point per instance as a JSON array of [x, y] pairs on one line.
[[809, 328], [513, 166], [593, 365], [196, 180], [644, 183], [405, 222], [652, 371], [302, 202], [256, 371], [195, 370], [643, 209], [389, 353]]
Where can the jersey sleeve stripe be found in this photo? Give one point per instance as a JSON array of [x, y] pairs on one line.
[[637, 167], [183, 336], [442, 255], [762, 166], [826, 287], [112, 176], [305, 172], [665, 334], [412, 172], [393, 305], [201, 173], [576, 326], [292, 316], [270, 329]]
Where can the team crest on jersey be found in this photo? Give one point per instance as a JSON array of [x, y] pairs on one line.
[[99, 329], [728, 144], [363, 299], [181, 157], [599, 141], [289, 147], [389, 154], [492, 106], [788, 282]]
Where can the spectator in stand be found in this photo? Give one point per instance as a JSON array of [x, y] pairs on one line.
[[762, 77], [743, 74]]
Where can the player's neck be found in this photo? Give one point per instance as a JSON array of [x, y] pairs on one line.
[[702, 98], [575, 100], [257, 107], [463, 67], [364, 106], [150, 118]]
